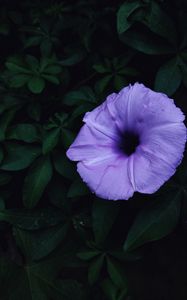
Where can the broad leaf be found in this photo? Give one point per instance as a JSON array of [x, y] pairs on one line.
[[110, 289], [78, 188], [154, 221], [63, 165], [160, 23], [36, 245], [15, 65], [36, 181], [19, 156], [23, 132], [19, 80], [73, 59], [67, 137], [50, 140], [102, 83], [88, 255], [116, 273], [37, 281], [124, 13], [57, 192], [146, 43], [34, 220], [169, 77], [36, 85], [95, 268], [51, 78], [53, 69], [104, 214], [85, 94], [4, 123]]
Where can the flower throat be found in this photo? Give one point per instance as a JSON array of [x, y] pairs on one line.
[[129, 142]]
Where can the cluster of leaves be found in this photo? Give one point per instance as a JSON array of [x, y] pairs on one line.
[[58, 240]]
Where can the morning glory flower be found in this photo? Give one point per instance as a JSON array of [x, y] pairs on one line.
[[133, 141]]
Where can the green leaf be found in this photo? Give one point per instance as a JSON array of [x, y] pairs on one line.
[[34, 220], [36, 181], [37, 281], [110, 290], [154, 221], [36, 85], [53, 69], [119, 82], [45, 47], [67, 137], [169, 77], [19, 157], [19, 80], [9, 102], [36, 245], [124, 13], [78, 188], [160, 23], [5, 121], [146, 43], [81, 110], [101, 68], [116, 273], [88, 255], [50, 140], [85, 94], [14, 65], [32, 41], [102, 83], [128, 71], [104, 214], [51, 78], [57, 193], [72, 60], [23, 132], [32, 62], [120, 255], [63, 166], [72, 98], [95, 269]]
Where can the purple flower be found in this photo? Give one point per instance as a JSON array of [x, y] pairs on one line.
[[132, 142]]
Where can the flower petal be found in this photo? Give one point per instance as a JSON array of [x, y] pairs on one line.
[[141, 108], [91, 144], [108, 179], [150, 172], [157, 158], [166, 142], [102, 120]]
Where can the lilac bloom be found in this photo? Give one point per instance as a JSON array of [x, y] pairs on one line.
[[131, 142]]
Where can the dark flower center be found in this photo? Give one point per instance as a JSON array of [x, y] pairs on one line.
[[129, 142]]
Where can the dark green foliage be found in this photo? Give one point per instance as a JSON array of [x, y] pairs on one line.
[[152, 222], [58, 241]]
